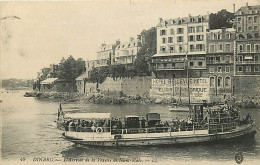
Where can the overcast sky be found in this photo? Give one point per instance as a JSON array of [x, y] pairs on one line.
[[48, 31]]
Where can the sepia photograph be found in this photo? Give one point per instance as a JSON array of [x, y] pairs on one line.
[[130, 82]]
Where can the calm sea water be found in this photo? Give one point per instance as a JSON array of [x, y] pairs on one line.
[[27, 131]]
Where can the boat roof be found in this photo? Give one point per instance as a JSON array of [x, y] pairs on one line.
[[131, 116], [88, 115]]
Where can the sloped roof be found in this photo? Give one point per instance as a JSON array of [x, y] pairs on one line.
[[82, 76], [246, 9], [49, 81]]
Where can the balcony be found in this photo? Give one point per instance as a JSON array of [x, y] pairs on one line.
[[248, 62], [170, 67], [173, 51], [168, 60], [197, 50]]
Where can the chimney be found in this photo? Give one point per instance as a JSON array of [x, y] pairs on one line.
[[234, 8], [131, 38], [118, 42], [247, 4], [160, 20]]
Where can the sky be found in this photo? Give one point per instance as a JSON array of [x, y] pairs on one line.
[[48, 31]]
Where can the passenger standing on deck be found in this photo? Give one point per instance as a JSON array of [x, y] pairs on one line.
[[143, 122]]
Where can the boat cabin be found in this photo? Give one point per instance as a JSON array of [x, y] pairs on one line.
[[152, 119], [132, 121]]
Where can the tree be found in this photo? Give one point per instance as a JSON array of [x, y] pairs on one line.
[[70, 68], [221, 19]]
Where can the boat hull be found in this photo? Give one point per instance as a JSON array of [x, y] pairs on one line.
[[247, 131]]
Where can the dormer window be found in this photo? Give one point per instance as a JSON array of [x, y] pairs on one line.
[[179, 22], [192, 19], [200, 19], [228, 36]]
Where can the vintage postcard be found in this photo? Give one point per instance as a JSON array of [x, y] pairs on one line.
[[130, 82]]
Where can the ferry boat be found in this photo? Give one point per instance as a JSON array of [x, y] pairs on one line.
[[100, 129]]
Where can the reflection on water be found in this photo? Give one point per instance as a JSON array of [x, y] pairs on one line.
[[28, 132]]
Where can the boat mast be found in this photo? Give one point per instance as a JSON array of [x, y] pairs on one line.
[[188, 82]]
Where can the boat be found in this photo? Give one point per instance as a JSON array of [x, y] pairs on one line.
[[101, 129]]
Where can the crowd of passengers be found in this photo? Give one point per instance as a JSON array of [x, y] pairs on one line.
[[81, 125], [226, 115]]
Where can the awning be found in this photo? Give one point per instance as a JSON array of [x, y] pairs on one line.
[[248, 58], [88, 115], [49, 81], [161, 55]]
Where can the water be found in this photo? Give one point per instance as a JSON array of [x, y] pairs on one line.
[[27, 131]]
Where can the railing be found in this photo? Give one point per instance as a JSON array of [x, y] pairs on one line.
[[197, 50], [170, 67], [248, 62], [169, 60]]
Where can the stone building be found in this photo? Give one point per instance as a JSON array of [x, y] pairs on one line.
[[220, 62], [176, 39], [126, 53], [247, 54]]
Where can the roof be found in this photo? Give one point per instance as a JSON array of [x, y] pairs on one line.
[[88, 115], [82, 76], [128, 116], [189, 19], [248, 10], [49, 80]]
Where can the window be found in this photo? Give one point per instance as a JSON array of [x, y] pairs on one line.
[[241, 48], [256, 48], [171, 32], [163, 48], [192, 48], [170, 39], [240, 58], [228, 59], [191, 63], [250, 19], [240, 69], [211, 69], [239, 20], [248, 68], [239, 29], [191, 38], [200, 63], [255, 28], [171, 49], [255, 19], [256, 68], [180, 39], [228, 48], [248, 48], [199, 19], [163, 32], [217, 59], [191, 29], [256, 58], [228, 36], [199, 29], [212, 48], [219, 36], [179, 22], [212, 81], [220, 46], [181, 49], [200, 37], [163, 40], [219, 69], [250, 28], [191, 19], [227, 81], [227, 69], [200, 47], [220, 82], [180, 31]]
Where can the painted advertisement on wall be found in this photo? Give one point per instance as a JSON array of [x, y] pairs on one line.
[[178, 89]]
